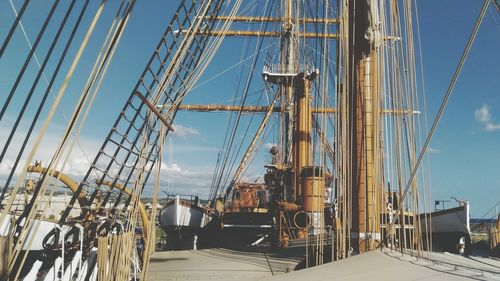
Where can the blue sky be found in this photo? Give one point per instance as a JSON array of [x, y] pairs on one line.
[[467, 165], [465, 150]]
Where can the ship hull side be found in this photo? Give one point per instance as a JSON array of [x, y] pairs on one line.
[[450, 229], [183, 222]]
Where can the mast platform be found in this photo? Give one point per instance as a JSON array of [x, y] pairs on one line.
[[276, 73]]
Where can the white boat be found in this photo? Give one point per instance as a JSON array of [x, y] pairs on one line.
[[183, 213], [449, 228], [183, 220]]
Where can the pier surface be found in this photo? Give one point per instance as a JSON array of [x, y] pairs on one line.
[[386, 265], [224, 264]]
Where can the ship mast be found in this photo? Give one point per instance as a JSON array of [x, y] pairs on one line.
[[294, 83], [364, 115], [288, 59], [298, 132]]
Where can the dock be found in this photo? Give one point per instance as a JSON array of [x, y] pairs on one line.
[[224, 264]]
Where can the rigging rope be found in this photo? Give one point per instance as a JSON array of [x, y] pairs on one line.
[[244, 161], [48, 84], [44, 98], [28, 58], [13, 27], [35, 83], [219, 183], [29, 211], [446, 98]]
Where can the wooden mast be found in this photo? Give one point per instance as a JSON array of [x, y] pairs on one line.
[[364, 114]]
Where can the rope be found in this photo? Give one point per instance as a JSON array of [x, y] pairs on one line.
[[141, 170], [28, 58], [113, 263], [446, 98], [40, 71], [44, 98], [243, 164], [5, 253], [40, 188], [188, 63], [182, 89], [218, 184], [13, 27], [102, 69], [151, 241]]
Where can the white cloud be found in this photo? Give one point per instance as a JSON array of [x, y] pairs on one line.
[[183, 131], [192, 180], [269, 145], [174, 168], [175, 179], [77, 166], [6, 167], [490, 127], [483, 116], [433, 150]]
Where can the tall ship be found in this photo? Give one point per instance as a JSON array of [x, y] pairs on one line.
[[332, 86]]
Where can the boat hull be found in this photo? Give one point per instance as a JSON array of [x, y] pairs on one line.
[[183, 222], [449, 229], [179, 213]]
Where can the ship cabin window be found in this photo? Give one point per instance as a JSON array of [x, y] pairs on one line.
[[236, 195]]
